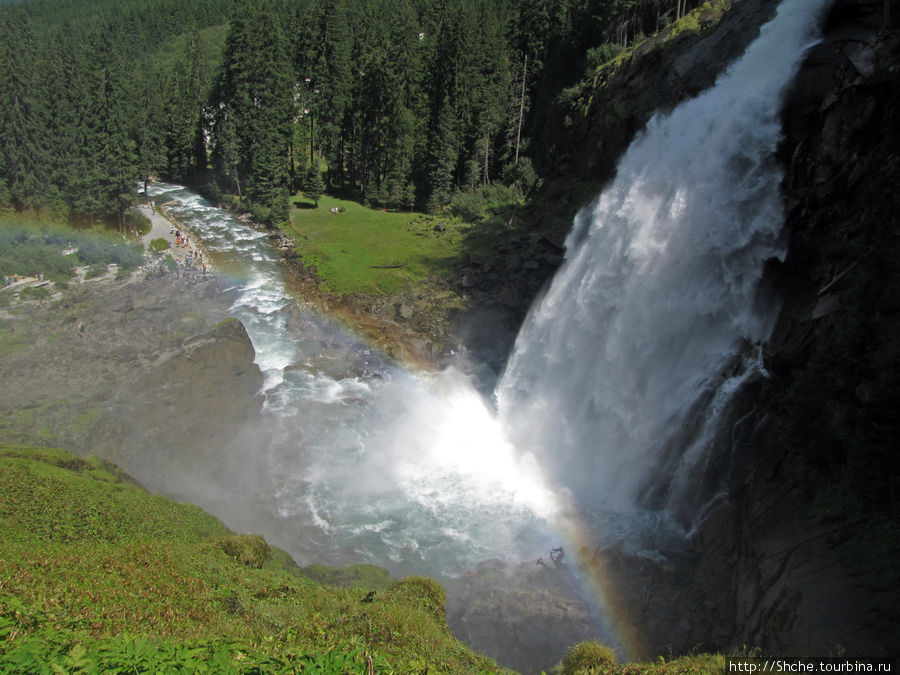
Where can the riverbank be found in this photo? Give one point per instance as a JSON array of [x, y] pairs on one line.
[[429, 289]]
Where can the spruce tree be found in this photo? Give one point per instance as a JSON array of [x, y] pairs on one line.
[[314, 186], [23, 158], [253, 125], [336, 91]]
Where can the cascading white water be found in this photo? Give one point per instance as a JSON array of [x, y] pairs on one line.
[[659, 290], [356, 459]]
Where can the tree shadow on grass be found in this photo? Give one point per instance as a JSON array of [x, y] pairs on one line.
[[304, 205]]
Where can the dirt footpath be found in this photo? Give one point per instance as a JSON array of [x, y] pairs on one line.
[[162, 227]]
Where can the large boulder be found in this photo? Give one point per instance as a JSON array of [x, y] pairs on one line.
[[178, 423]]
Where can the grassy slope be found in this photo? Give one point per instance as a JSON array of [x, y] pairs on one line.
[[95, 574], [352, 250]]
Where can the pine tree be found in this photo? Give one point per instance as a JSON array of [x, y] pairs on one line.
[[442, 161], [336, 90], [186, 88], [148, 130], [67, 96], [118, 154], [23, 159], [314, 185], [254, 120]]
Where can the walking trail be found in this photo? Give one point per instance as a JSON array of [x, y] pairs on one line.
[[163, 227]]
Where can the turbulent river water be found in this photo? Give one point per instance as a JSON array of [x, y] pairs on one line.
[[621, 373], [375, 462]]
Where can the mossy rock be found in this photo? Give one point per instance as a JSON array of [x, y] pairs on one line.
[[250, 550], [426, 593], [589, 657], [369, 577]]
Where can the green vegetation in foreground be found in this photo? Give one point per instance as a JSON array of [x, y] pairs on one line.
[[98, 575], [30, 249], [593, 658], [362, 250]]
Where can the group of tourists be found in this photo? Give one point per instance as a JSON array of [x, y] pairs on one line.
[[9, 281], [193, 256]]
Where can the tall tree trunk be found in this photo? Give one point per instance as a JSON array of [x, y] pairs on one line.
[[487, 149], [312, 141], [522, 110], [237, 183]]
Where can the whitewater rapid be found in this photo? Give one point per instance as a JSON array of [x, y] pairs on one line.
[[359, 459]]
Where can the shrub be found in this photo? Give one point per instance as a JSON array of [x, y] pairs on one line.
[[97, 269], [597, 56], [522, 177], [32, 293], [29, 253], [249, 550], [213, 192], [259, 213], [588, 657], [474, 205], [468, 205], [159, 244], [96, 250], [138, 222]]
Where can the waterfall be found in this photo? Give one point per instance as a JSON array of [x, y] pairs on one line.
[[648, 328]]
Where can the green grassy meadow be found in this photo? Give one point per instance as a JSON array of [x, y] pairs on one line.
[[97, 575], [369, 251]]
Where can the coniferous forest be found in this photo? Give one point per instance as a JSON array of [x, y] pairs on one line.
[[400, 103]]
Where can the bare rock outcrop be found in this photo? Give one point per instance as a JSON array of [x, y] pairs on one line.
[[182, 413]]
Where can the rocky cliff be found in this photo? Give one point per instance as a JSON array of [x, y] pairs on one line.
[[174, 421], [820, 469], [160, 377]]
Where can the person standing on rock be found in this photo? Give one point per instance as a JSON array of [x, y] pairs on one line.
[[557, 555], [81, 328]]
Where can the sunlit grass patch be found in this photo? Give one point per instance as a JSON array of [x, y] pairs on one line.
[[362, 250]]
